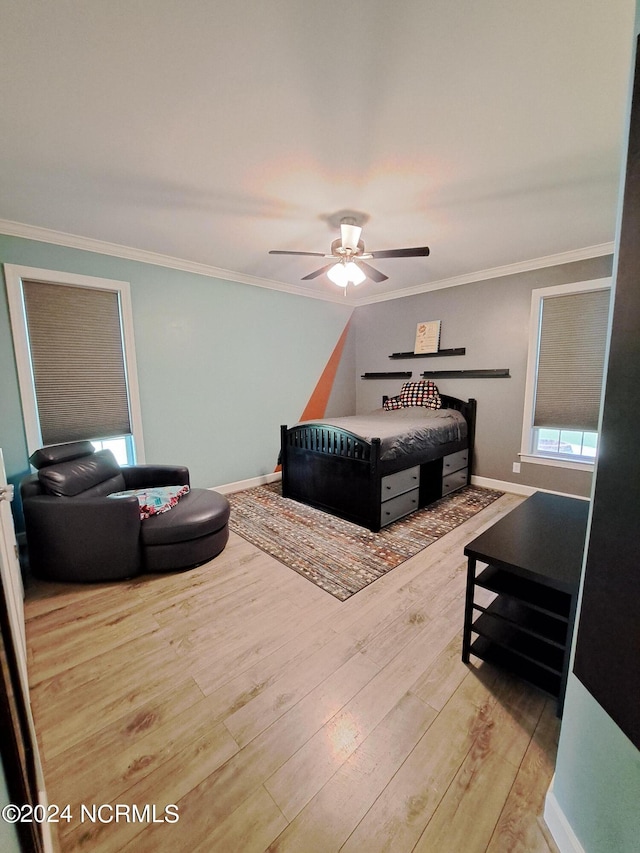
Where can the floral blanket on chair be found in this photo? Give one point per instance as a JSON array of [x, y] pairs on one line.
[[154, 500]]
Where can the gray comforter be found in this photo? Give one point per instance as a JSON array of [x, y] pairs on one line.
[[404, 432]]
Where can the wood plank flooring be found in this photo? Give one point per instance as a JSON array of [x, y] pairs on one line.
[[275, 717]]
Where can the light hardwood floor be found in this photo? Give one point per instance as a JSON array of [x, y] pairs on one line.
[[277, 718]]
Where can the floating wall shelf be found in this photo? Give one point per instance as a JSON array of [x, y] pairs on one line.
[[396, 375], [497, 373], [456, 351]]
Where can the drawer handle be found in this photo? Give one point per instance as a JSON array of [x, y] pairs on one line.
[[388, 488]]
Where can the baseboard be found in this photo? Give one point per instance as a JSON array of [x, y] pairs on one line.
[[228, 488], [486, 482], [517, 488], [47, 835], [502, 485], [559, 826]]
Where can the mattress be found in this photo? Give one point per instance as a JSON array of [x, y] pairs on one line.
[[403, 433]]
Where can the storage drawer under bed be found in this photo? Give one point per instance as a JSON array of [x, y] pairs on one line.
[[454, 481], [397, 507], [454, 462], [400, 482]]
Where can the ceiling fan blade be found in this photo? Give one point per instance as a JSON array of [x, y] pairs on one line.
[[316, 273], [373, 274], [307, 254], [419, 252]]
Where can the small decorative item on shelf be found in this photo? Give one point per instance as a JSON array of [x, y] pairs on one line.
[[427, 337]]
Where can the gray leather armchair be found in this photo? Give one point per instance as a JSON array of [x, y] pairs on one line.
[[75, 532]]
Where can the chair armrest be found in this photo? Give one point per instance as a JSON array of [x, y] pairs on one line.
[[83, 539], [149, 476]]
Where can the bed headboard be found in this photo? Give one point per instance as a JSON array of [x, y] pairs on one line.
[[467, 408]]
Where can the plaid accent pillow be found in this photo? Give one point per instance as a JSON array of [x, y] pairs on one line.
[[392, 403], [423, 393], [432, 402]]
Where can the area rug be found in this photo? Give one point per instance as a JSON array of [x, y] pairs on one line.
[[338, 556]]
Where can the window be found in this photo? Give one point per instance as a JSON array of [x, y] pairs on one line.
[[73, 339], [121, 447], [567, 345]]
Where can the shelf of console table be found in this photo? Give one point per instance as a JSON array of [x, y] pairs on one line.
[[533, 558]]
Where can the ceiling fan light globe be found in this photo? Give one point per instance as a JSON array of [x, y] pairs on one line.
[[354, 274], [338, 275]]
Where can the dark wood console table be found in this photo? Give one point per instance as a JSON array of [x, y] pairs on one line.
[[534, 560]]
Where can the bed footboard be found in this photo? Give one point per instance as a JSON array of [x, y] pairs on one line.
[[322, 438], [337, 471], [333, 470]]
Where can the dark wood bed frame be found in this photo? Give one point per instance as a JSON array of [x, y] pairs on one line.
[[341, 473]]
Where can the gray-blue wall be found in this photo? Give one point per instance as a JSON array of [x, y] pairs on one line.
[[220, 364], [491, 320]]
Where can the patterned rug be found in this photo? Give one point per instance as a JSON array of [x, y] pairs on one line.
[[338, 556]]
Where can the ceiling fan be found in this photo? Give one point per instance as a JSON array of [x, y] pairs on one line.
[[349, 258]]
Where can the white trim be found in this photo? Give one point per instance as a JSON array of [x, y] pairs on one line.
[[23, 360], [486, 482], [597, 251], [131, 364], [85, 244], [14, 276], [502, 485], [556, 463], [518, 488], [238, 486], [559, 826], [537, 296], [74, 241]]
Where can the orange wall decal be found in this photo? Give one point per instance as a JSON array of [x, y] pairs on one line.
[[317, 404]]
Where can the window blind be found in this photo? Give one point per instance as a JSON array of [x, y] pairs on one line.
[[571, 353], [75, 338]]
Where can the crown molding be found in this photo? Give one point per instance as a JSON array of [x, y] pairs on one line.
[[101, 247], [574, 255], [86, 244]]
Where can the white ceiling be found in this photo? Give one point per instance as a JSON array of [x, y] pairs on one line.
[[211, 132]]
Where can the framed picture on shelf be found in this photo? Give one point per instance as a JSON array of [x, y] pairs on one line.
[[427, 337]]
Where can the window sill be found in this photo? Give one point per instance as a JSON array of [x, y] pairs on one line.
[[557, 463]]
